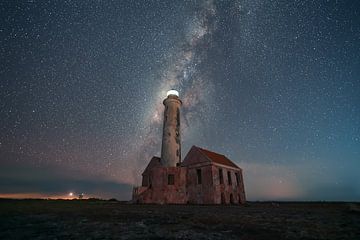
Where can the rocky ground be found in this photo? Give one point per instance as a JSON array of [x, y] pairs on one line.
[[60, 219]]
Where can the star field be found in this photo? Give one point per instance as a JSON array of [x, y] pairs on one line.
[[273, 85]]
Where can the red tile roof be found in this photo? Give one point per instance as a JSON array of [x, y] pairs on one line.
[[218, 158]]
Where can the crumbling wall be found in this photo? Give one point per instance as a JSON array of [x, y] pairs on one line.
[[223, 190], [200, 192], [160, 191]]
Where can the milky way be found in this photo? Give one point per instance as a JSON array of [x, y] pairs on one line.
[[274, 85], [183, 73]]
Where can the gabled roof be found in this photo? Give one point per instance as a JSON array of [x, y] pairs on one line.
[[154, 162], [217, 158]]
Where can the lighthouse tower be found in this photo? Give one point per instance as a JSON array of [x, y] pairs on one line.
[[171, 144], [170, 179]]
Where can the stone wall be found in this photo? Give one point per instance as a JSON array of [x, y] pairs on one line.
[[236, 190], [160, 191]]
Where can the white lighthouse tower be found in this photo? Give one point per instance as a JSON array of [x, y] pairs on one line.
[[171, 141]]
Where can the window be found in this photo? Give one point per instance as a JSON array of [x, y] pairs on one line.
[[171, 179], [221, 177], [237, 178], [229, 177], [177, 118], [198, 173], [231, 199]]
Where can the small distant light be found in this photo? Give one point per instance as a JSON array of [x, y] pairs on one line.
[[172, 92], [71, 194]]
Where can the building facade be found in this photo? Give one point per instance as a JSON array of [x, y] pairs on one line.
[[203, 177]]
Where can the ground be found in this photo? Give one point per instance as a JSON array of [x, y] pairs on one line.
[[86, 219]]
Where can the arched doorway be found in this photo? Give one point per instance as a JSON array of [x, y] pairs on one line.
[[222, 198]]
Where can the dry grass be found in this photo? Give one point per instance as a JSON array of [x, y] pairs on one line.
[[51, 219]]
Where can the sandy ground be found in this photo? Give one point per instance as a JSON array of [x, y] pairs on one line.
[[57, 219]]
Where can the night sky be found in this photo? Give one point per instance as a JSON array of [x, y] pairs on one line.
[[273, 85]]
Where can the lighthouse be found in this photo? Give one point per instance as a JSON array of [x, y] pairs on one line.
[[171, 141], [202, 177]]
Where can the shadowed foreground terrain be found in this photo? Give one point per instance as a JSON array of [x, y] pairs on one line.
[[85, 219]]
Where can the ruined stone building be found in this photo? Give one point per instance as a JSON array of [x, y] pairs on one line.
[[203, 177]]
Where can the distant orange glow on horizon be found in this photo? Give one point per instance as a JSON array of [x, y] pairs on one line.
[[64, 196]]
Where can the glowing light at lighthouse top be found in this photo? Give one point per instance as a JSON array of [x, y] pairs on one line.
[[172, 92]]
